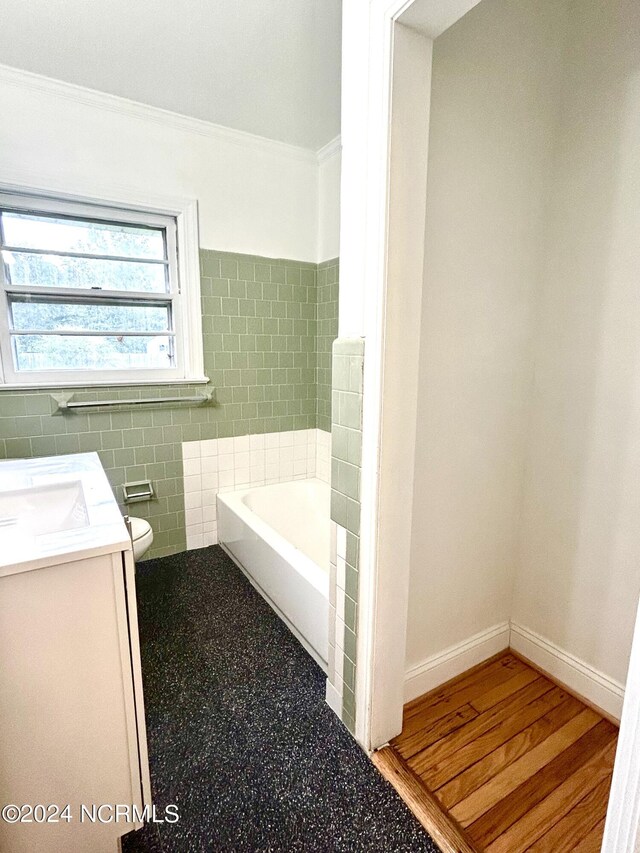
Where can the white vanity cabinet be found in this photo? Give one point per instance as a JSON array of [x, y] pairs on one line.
[[72, 726]]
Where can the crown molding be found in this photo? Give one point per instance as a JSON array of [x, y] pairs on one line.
[[333, 147], [29, 81]]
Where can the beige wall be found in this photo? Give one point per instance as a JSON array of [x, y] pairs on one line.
[[579, 573], [527, 498], [489, 152]]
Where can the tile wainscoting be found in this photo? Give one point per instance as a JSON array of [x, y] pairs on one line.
[[346, 460], [242, 462]]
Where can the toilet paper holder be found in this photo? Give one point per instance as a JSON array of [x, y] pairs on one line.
[[140, 490]]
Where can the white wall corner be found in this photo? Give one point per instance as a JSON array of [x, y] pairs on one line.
[[453, 661]]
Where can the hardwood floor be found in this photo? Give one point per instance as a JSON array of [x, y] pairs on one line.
[[503, 760]]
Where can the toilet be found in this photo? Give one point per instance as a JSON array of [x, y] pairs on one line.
[[141, 536]]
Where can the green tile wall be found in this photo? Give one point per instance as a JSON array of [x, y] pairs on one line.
[[346, 461], [328, 273], [260, 331]]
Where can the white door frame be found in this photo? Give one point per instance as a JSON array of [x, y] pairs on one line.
[[622, 829], [385, 105], [385, 109]]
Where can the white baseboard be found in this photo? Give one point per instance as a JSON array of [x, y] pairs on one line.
[[578, 676], [455, 660], [589, 683]]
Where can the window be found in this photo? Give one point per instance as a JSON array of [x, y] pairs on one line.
[[92, 295]]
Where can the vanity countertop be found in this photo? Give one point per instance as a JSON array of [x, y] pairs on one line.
[[57, 509]]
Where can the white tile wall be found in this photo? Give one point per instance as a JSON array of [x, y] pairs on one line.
[[337, 596], [323, 455], [228, 464]]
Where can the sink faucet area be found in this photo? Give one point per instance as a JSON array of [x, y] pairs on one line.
[[55, 506]]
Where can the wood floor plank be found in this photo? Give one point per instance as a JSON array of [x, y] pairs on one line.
[[451, 755], [532, 826], [567, 834], [448, 837], [498, 819], [498, 788], [593, 842], [476, 675], [491, 698], [424, 737], [503, 756], [503, 760], [442, 702]]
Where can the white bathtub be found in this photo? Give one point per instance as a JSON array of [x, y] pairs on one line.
[[279, 536]]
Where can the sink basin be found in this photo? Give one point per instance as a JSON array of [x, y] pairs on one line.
[[42, 509], [54, 509]]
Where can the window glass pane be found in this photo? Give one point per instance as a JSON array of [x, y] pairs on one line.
[[110, 317], [29, 231], [60, 352], [59, 271]]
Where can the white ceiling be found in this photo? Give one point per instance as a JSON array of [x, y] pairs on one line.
[[269, 67]]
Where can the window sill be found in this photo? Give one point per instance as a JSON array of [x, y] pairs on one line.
[[39, 386]]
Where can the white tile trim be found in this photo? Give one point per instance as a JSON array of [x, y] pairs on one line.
[[334, 699], [323, 455], [337, 597]]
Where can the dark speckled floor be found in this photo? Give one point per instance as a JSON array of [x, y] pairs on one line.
[[240, 737]]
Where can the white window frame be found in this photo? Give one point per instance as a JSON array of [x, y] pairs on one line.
[[179, 220]]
